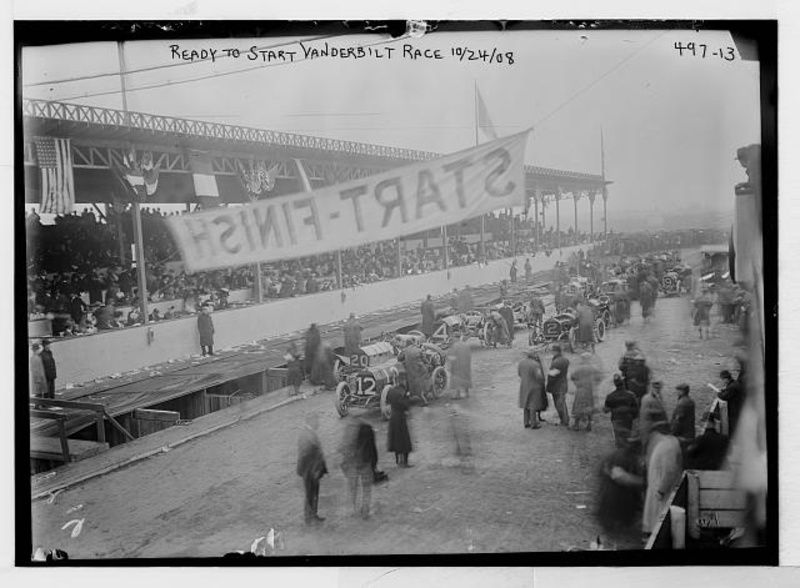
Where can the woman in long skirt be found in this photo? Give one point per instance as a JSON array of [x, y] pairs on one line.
[[399, 437]]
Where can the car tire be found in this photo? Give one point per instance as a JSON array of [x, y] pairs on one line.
[[439, 381], [599, 330], [342, 400]]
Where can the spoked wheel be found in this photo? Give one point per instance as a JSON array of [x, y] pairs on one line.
[[439, 381], [342, 400], [607, 317], [599, 330], [386, 408]]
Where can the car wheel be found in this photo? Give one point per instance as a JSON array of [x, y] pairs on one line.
[[343, 399], [599, 330], [386, 408], [439, 380]]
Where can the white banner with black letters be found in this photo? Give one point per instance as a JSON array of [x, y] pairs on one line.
[[385, 206]]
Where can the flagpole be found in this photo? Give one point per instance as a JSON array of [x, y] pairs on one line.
[[483, 216], [136, 212]]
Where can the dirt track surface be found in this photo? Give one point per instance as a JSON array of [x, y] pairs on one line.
[[529, 490]]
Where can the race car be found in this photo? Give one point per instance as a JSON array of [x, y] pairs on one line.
[[672, 280], [562, 328], [367, 376]]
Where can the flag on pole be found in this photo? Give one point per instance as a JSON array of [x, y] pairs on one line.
[[205, 182], [58, 183], [484, 122]]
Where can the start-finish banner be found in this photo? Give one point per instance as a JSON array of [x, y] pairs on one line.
[[399, 202]]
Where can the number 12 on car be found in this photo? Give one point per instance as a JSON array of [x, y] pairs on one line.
[[702, 50]]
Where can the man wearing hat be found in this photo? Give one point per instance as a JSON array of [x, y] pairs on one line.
[[532, 398], [682, 424], [205, 326], [651, 411], [49, 365], [624, 408], [636, 374], [557, 383], [352, 336], [38, 381], [586, 377], [702, 313]]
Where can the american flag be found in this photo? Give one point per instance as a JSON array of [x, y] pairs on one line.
[[58, 184]]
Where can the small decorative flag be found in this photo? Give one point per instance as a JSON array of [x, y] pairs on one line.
[[205, 182]]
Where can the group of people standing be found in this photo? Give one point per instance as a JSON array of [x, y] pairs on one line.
[[652, 448]]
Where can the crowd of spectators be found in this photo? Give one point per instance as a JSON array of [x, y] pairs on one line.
[[80, 270]]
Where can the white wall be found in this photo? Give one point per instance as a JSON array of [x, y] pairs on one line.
[[81, 359]]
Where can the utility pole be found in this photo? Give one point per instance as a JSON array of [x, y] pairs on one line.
[[135, 209]]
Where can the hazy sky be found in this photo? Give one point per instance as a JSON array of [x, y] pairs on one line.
[[671, 123]]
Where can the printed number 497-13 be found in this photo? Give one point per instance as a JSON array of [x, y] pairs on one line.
[[702, 50]]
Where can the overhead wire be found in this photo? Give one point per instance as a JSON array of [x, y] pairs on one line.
[[209, 76], [169, 65]]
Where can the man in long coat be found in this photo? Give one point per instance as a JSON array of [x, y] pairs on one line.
[[352, 336], [624, 408], [359, 463], [532, 397], [50, 373], [399, 437], [460, 355], [313, 342], [586, 377], [417, 378], [428, 316], [205, 326], [651, 411], [508, 314], [557, 378], [664, 469], [38, 382], [311, 467], [682, 424], [585, 324], [733, 393]]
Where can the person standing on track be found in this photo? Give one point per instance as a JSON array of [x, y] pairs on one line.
[[532, 398], [651, 410], [352, 336], [682, 424], [312, 344], [702, 313], [359, 463], [586, 377], [537, 310], [557, 379], [311, 467], [460, 355], [399, 437], [624, 408], [205, 326], [428, 316], [585, 325], [49, 368], [512, 273], [664, 469], [528, 270], [508, 315]]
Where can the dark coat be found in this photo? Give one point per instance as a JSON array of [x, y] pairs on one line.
[[733, 394], [622, 405], [428, 317], [708, 451], [683, 418], [313, 341], [399, 438], [531, 385], [49, 364], [205, 327], [558, 384], [310, 459], [508, 315]]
